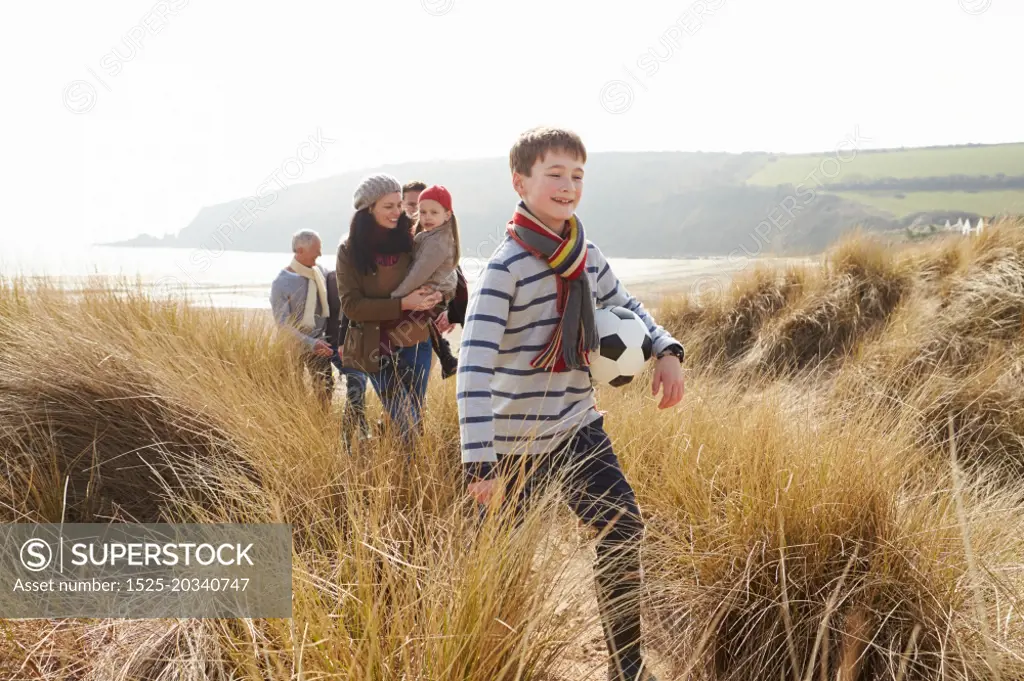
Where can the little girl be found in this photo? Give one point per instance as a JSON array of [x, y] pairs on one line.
[[435, 259]]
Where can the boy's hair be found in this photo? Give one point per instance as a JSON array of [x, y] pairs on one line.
[[414, 186], [535, 143]]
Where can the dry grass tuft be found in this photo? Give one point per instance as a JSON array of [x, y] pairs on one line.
[[859, 287]]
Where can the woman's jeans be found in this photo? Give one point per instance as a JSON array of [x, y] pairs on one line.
[[401, 385]]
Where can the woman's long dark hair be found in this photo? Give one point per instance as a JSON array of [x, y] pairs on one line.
[[366, 237]]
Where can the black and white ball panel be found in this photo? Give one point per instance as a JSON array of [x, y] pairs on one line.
[[625, 346]]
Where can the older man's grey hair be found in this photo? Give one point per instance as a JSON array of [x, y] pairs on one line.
[[303, 238]]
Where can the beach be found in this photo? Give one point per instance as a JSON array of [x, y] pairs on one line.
[[241, 279]]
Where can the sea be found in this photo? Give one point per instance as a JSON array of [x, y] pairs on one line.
[[241, 279]]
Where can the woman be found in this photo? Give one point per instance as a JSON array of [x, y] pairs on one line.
[[388, 338]]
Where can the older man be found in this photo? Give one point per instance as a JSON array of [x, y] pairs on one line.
[[299, 300]]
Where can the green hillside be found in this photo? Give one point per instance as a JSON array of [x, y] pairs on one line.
[[902, 204], [991, 160]]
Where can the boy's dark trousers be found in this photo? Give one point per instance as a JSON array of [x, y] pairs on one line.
[[594, 486]]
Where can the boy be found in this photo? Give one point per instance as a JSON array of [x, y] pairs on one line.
[[524, 389]]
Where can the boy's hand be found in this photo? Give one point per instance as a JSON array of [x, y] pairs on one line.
[[668, 374], [482, 490]]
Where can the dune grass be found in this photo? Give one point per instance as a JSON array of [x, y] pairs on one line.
[[838, 497]]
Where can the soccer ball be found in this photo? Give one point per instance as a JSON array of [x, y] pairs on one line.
[[625, 346]]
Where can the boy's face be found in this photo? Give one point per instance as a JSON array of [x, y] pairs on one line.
[[553, 188], [432, 214], [409, 202]]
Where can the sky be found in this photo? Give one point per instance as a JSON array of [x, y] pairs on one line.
[[127, 116]]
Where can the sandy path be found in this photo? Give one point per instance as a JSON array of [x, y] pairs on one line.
[[586, 657]]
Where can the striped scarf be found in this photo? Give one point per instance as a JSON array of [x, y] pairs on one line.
[[575, 337]]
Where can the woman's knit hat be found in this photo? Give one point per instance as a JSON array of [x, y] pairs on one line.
[[438, 193], [374, 187]]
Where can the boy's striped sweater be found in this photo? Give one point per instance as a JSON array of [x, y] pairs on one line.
[[506, 405]]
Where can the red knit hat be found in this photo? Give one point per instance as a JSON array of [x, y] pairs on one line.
[[437, 193]]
